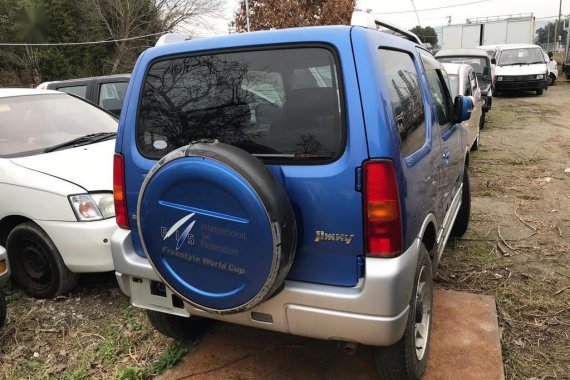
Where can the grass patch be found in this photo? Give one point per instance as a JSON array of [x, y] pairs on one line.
[[169, 358], [132, 373], [488, 193]]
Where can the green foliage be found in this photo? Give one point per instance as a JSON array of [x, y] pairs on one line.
[[56, 21], [546, 33], [426, 34], [169, 357], [131, 373]]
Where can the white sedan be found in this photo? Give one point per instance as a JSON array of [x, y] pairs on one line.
[[56, 200]]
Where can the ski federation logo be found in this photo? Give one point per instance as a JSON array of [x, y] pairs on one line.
[[184, 234]]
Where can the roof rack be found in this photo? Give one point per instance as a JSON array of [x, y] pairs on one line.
[[170, 38], [368, 20]]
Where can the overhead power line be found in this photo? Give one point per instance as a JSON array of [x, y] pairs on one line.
[[80, 43], [432, 9]]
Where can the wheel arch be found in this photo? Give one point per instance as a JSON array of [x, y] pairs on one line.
[[428, 234], [8, 223]]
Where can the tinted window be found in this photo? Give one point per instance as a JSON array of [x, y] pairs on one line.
[[279, 104], [75, 90], [406, 98], [111, 95], [35, 122], [438, 89]]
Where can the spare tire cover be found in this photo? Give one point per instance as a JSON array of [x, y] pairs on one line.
[[217, 227]]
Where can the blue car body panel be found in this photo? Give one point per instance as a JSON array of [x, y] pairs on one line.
[[327, 197]]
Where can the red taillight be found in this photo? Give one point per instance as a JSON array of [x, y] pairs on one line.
[[119, 191], [383, 222]]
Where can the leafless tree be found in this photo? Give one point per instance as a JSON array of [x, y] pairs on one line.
[[131, 18]]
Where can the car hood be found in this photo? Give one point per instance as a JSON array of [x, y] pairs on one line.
[[539, 68], [88, 166]]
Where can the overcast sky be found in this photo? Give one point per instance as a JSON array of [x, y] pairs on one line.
[[543, 10]]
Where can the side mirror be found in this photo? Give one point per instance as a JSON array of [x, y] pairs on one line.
[[493, 61], [462, 108]]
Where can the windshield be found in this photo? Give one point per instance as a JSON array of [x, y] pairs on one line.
[[275, 104], [522, 56], [453, 84], [477, 63], [32, 123]]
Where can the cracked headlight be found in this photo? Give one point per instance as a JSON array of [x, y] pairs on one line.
[[95, 206]]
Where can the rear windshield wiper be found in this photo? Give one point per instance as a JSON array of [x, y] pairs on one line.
[[82, 140]]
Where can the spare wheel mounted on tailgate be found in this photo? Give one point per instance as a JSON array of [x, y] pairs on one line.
[[217, 227]]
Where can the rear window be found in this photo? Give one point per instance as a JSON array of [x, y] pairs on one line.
[[477, 63], [281, 104]]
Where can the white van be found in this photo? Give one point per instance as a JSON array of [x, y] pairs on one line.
[[520, 67]]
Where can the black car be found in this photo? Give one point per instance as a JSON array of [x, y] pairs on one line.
[[481, 63], [106, 91]]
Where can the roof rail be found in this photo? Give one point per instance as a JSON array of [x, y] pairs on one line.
[[169, 38], [368, 20]]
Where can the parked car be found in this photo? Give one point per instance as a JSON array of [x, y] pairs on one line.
[[520, 67], [302, 180], [56, 203], [463, 81], [481, 64], [489, 49], [4, 276], [106, 91]]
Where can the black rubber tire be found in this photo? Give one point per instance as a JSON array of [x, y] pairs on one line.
[[399, 361], [483, 118], [31, 250], [539, 92], [477, 141], [551, 79], [2, 308], [462, 220], [178, 328]]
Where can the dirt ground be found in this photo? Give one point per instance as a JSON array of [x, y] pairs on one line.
[[517, 249]]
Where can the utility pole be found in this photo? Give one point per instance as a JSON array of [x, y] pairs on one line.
[[418, 17], [556, 27], [247, 13]]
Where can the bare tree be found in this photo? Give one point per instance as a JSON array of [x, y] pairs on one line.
[[279, 14], [130, 18]]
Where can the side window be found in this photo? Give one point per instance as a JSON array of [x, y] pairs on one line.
[[467, 86], [111, 95], [406, 98], [438, 89], [75, 90]]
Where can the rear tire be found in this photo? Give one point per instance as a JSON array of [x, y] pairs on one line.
[[551, 79], [36, 263], [539, 92], [407, 359], [178, 328], [2, 309], [462, 220], [477, 141]]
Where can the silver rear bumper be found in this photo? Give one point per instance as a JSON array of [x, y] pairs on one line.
[[374, 312]]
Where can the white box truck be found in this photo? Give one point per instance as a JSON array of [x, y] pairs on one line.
[[497, 30]]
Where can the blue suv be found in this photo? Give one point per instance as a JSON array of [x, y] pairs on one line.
[[303, 181]]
